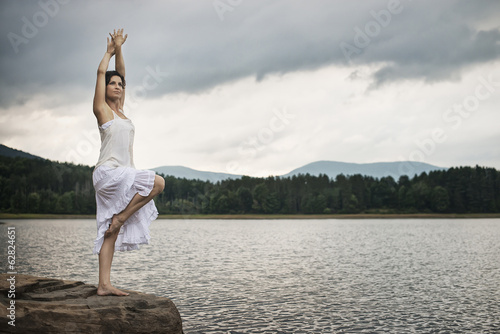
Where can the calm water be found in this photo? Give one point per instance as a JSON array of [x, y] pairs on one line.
[[294, 276]]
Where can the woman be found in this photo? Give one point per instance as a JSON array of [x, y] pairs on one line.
[[123, 194]]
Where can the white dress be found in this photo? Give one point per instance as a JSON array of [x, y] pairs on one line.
[[116, 181]]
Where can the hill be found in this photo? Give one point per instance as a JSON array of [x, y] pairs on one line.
[[193, 174], [11, 152], [377, 169], [330, 168]]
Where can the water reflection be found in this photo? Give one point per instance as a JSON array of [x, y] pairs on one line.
[[309, 276]]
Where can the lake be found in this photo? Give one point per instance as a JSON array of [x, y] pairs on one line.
[[293, 276]]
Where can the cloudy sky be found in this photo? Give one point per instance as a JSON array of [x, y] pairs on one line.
[[259, 87]]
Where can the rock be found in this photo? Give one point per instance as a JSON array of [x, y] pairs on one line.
[[44, 305]]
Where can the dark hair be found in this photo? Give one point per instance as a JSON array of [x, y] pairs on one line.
[[110, 74]]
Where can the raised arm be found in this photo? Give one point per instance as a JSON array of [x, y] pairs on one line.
[[119, 39], [99, 105]]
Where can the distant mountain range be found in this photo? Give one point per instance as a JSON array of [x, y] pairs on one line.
[[12, 152], [193, 174], [376, 169], [330, 168]]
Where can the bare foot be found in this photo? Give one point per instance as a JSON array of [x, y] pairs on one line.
[[110, 291], [115, 226]]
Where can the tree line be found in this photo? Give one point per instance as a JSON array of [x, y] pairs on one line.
[[44, 186]]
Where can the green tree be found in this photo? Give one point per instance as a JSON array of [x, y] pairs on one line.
[[420, 192], [439, 199], [260, 194], [222, 204], [65, 202], [245, 199], [34, 202]]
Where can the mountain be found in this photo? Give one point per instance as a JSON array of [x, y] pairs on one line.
[[330, 168], [377, 169], [192, 174], [11, 152]]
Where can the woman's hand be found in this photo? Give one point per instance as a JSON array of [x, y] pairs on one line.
[[118, 38], [111, 47]]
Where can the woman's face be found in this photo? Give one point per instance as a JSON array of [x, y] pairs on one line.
[[114, 89]]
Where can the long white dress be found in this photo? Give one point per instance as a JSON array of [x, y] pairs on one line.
[[116, 181]]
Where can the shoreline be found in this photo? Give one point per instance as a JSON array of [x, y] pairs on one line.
[[274, 216]]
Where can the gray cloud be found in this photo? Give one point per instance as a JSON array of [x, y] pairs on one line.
[[425, 40]]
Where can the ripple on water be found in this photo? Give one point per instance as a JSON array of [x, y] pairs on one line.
[[327, 276]]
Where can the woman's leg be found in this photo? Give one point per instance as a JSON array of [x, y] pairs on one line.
[[135, 204], [108, 246], [105, 259]]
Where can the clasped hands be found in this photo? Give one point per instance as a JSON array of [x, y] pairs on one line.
[[117, 40]]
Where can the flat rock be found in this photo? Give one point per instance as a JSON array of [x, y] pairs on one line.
[[45, 305]]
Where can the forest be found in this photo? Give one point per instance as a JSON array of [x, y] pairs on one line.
[[48, 187]]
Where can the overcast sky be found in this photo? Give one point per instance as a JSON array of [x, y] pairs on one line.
[[259, 87]]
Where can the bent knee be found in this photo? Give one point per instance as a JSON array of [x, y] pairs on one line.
[[159, 184]]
